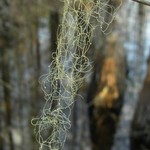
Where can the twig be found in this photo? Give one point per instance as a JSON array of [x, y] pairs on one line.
[[145, 2]]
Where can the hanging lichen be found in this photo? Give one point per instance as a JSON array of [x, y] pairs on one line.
[[66, 71]]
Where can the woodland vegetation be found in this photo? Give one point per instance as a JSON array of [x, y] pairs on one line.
[[111, 108]]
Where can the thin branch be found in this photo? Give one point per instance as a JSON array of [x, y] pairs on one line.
[[145, 2]]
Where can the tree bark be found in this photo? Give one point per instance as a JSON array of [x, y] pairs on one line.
[[6, 91], [107, 87], [140, 137], [140, 131], [135, 57]]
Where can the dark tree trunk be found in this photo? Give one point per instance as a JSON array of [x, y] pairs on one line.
[[134, 45], [140, 130]]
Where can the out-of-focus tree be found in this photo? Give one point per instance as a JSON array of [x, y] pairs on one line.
[[20, 54], [135, 59], [140, 131], [107, 86]]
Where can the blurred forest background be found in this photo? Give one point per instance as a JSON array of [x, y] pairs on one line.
[[114, 114]]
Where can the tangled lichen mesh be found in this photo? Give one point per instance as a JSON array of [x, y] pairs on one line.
[[68, 68]]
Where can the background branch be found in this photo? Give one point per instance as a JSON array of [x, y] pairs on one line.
[[145, 2]]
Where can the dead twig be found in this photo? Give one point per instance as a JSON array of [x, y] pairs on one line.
[[145, 2]]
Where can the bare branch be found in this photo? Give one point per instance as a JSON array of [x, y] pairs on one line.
[[145, 2]]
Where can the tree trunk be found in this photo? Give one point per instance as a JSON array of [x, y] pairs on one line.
[[140, 131], [107, 87], [6, 91], [135, 57]]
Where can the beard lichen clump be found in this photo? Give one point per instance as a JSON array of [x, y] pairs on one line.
[[68, 68]]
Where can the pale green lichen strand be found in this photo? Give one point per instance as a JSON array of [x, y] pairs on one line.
[[70, 63]]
